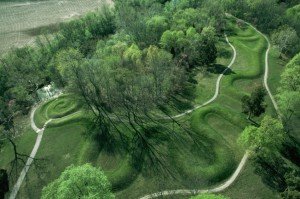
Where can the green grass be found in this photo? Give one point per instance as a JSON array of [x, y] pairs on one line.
[[24, 142], [56, 109], [249, 186]]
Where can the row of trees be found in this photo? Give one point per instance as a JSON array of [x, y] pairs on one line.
[[274, 144]]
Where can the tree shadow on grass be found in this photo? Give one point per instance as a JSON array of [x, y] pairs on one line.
[[224, 53], [219, 69]]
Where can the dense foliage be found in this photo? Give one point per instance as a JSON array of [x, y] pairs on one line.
[[79, 182]]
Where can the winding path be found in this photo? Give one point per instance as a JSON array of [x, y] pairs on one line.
[[234, 176], [217, 85]]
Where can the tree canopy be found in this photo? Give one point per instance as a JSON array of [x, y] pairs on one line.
[[254, 105], [79, 182], [266, 139]]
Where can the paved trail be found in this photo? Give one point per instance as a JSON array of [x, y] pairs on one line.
[[229, 181]]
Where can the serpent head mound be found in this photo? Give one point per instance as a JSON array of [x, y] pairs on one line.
[[61, 107]]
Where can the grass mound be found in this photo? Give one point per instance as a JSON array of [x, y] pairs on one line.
[[64, 106]]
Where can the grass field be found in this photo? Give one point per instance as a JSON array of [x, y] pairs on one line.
[[208, 156], [21, 21]]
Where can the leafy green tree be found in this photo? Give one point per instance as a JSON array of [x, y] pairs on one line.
[[290, 78], [289, 90], [190, 17], [209, 196], [68, 61], [267, 14], [288, 102], [293, 185], [155, 28], [265, 140], [293, 16], [190, 47], [254, 105], [79, 182], [286, 40]]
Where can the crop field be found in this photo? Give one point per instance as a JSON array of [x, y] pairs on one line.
[[21, 21]]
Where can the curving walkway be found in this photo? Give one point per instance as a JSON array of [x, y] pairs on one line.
[[219, 188], [229, 181], [217, 85]]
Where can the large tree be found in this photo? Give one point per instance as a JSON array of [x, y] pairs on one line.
[[286, 40], [289, 90], [254, 105], [265, 140], [79, 182]]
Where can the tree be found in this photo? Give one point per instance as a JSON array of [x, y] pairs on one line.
[[79, 182], [209, 196], [286, 40], [288, 101], [293, 16], [155, 28], [254, 105], [265, 140], [4, 185], [191, 47], [267, 14], [289, 90], [293, 185], [290, 78]]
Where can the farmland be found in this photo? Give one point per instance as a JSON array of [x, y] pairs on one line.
[[22, 21]]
